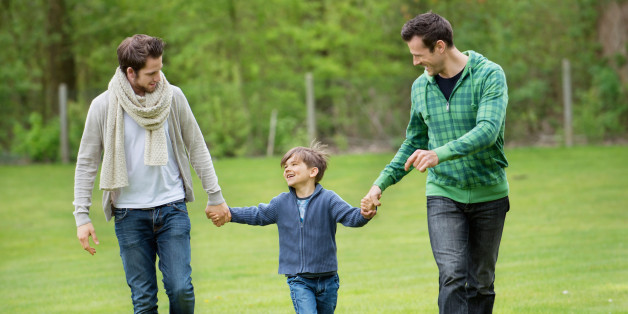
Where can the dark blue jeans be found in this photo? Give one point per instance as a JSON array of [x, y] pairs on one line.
[[314, 295], [465, 242], [144, 234]]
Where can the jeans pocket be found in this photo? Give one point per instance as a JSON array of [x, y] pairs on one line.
[[507, 201], [502, 204], [120, 213], [180, 206]]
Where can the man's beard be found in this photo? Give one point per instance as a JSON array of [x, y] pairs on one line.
[[144, 89]]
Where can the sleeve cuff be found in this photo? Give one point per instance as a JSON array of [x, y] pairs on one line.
[[81, 218], [215, 198], [234, 216], [443, 153], [383, 181]]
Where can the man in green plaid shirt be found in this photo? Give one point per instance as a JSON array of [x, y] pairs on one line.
[[456, 133]]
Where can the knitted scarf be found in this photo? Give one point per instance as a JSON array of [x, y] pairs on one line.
[[149, 111]]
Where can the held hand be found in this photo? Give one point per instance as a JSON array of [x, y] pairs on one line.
[[367, 208], [422, 159], [373, 196], [215, 219], [219, 214], [218, 219], [83, 233]]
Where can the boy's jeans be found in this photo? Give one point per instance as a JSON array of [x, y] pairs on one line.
[[314, 295], [465, 242], [163, 231]]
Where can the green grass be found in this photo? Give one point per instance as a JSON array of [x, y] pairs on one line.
[[567, 231]]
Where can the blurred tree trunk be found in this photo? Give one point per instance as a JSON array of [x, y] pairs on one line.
[[236, 52], [613, 35], [59, 66], [323, 98]]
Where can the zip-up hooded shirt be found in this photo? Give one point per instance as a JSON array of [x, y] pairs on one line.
[[307, 247], [466, 132]]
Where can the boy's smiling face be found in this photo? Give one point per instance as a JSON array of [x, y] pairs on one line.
[[298, 174]]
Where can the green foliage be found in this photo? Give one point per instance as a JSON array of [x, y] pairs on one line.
[[21, 39], [263, 56], [289, 134], [604, 106], [38, 142], [237, 61], [226, 127]]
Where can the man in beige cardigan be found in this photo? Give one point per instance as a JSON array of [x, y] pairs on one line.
[[145, 131]]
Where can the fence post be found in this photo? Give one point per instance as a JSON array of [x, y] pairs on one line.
[[567, 103], [271, 134], [309, 100], [63, 121]]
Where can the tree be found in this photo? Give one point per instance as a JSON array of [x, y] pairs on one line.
[[59, 66]]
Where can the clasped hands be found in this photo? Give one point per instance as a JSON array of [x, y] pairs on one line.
[[219, 214], [420, 159], [369, 203]]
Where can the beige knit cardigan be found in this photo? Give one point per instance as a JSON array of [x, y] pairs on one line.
[[188, 145]]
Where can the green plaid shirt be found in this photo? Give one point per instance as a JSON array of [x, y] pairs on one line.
[[466, 132]]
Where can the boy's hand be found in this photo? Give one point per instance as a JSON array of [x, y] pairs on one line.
[[368, 210], [368, 214], [219, 214]]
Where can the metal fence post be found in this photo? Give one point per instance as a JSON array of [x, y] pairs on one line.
[[567, 103], [63, 121]]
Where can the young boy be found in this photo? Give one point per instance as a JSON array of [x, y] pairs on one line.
[[306, 218]]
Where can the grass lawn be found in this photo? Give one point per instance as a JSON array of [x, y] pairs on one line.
[[564, 249]]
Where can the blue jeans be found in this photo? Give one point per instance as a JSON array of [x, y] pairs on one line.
[[314, 295], [465, 242], [163, 231]]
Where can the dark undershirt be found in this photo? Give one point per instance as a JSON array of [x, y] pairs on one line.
[[447, 85]]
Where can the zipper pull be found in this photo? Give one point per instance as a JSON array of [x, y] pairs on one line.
[[447, 106]]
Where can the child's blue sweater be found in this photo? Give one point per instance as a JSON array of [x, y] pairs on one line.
[[308, 246]]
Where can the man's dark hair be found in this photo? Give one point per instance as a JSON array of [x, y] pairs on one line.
[[431, 27], [134, 51]]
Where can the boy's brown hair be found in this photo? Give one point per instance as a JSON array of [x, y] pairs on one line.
[[313, 156]]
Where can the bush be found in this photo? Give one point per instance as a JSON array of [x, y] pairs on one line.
[[38, 142], [603, 107]]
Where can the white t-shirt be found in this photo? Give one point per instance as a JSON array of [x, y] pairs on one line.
[[149, 186]]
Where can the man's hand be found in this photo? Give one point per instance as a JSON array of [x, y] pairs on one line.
[[373, 196], [367, 208], [219, 214], [422, 159], [83, 233]]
